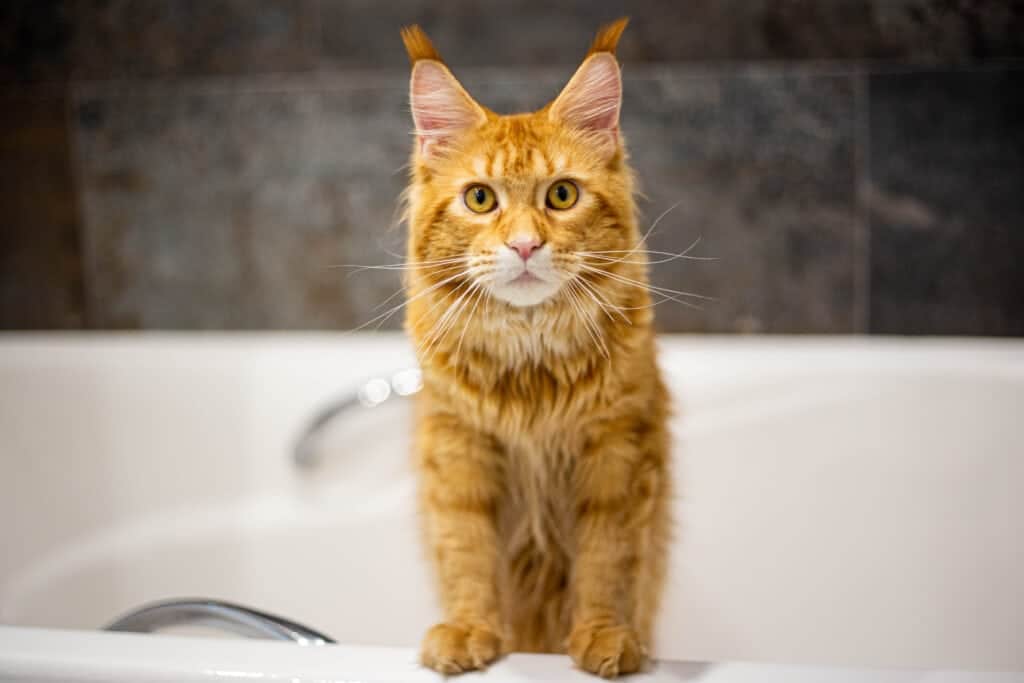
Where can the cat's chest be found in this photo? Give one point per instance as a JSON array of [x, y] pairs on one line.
[[534, 412], [537, 508]]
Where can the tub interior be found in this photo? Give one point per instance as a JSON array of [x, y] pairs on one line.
[[843, 502]]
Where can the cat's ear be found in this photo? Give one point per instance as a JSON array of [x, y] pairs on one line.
[[592, 99], [441, 107]]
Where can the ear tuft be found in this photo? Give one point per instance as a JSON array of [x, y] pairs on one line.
[[592, 99], [441, 108], [607, 38], [418, 45]]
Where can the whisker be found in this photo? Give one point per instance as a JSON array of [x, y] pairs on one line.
[[412, 265], [671, 256], [458, 309], [636, 248], [654, 252], [399, 263], [439, 302], [586, 319], [402, 289], [465, 325], [595, 327], [443, 301], [602, 301], [657, 220], [383, 303], [478, 279], [667, 294], [643, 285], [573, 302], [387, 314], [609, 260], [425, 341], [445, 322]]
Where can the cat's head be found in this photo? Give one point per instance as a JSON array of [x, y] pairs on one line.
[[518, 204]]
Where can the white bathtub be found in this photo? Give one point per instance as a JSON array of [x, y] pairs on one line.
[[846, 503]]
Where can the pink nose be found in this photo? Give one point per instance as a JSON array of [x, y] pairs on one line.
[[524, 247]]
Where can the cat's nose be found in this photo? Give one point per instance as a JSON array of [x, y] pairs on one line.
[[524, 246]]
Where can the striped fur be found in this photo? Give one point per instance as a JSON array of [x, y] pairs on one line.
[[541, 438]]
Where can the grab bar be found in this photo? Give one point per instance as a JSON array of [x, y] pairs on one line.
[[369, 394], [236, 619]]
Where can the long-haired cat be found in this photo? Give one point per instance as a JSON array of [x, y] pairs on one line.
[[541, 436]]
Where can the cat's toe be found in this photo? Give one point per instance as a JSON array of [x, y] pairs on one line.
[[606, 650], [453, 648]]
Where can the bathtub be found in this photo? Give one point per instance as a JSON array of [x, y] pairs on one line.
[[847, 509]]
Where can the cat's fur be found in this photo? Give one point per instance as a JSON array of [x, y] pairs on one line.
[[541, 436]]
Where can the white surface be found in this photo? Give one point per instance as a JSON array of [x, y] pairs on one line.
[[845, 502], [89, 657]]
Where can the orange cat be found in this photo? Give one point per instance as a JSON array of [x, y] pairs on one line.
[[541, 428]]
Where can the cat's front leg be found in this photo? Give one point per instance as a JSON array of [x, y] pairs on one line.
[[619, 483], [460, 487]]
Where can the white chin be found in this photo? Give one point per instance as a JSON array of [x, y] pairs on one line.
[[524, 293]]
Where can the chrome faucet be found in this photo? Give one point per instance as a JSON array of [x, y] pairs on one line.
[[369, 394], [225, 616]]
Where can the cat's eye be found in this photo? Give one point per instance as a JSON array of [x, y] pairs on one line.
[[480, 199], [562, 195]]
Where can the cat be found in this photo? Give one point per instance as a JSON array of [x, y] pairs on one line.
[[541, 440]]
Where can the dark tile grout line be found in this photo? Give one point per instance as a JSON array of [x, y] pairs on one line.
[[317, 42], [862, 160], [322, 71], [387, 78], [84, 245]]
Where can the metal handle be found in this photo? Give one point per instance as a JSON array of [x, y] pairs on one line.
[[214, 613], [369, 394]]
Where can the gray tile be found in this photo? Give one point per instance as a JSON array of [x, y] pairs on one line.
[[940, 31], [468, 33], [947, 170], [258, 191], [761, 168], [760, 165], [228, 209], [472, 33], [40, 273], [102, 39], [172, 38]]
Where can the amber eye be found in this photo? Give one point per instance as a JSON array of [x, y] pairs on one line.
[[480, 199], [563, 195]]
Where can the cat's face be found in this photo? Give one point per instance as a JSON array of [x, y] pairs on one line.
[[518, 207], [522, 200]]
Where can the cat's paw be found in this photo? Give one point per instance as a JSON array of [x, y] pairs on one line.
[[453, 648], [606, 649]]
